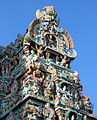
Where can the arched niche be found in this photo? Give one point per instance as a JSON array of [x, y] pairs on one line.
[[72, 116], [50, 40]]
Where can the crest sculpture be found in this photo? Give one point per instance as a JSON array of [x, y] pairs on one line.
[[36, 80]]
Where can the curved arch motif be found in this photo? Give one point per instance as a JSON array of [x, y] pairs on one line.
[[32, 25], [36, 27], [72, 55], [42, 26], [48, 33], [69, 39], [66, 41]]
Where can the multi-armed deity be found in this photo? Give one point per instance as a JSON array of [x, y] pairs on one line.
[[36, 80]]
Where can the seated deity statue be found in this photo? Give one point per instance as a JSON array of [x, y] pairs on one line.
[[37, 74]]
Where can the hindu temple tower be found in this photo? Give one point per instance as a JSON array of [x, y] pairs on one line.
[[36, 80]]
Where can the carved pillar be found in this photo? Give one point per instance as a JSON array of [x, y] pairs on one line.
[[6, 67], [72, 117], [60, 116], [3, 70]]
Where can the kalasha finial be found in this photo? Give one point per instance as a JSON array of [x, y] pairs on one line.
[[48, 7], [49, 13]]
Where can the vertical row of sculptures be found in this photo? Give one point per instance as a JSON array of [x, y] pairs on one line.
[[37, 81], [10, 58]]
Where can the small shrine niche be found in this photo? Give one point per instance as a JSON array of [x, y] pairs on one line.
[[51, 41], [72, 116], [64, 86], [5, 66]]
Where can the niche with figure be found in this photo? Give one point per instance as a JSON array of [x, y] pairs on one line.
[[51, 41], [72, 116]]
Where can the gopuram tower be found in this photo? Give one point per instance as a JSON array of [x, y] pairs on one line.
[[36, 80]]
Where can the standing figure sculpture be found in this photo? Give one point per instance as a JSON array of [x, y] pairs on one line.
[[38, 50], [37, 74], [38, 77]]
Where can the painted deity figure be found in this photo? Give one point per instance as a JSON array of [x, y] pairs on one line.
[[16, 60], [64, 59], [48, 112], [30, 65], [76, 77], [37, 74], [39, 50], [86, 103], [49, 14], [58, 90], [47, 55], [48, 91], [33, 112], [51, 41], [38, 78], [10, 68], [65, 95], [13, 63], [26, 47], [53, 71]]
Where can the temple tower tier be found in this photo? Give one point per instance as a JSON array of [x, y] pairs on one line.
[[36, 80]]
